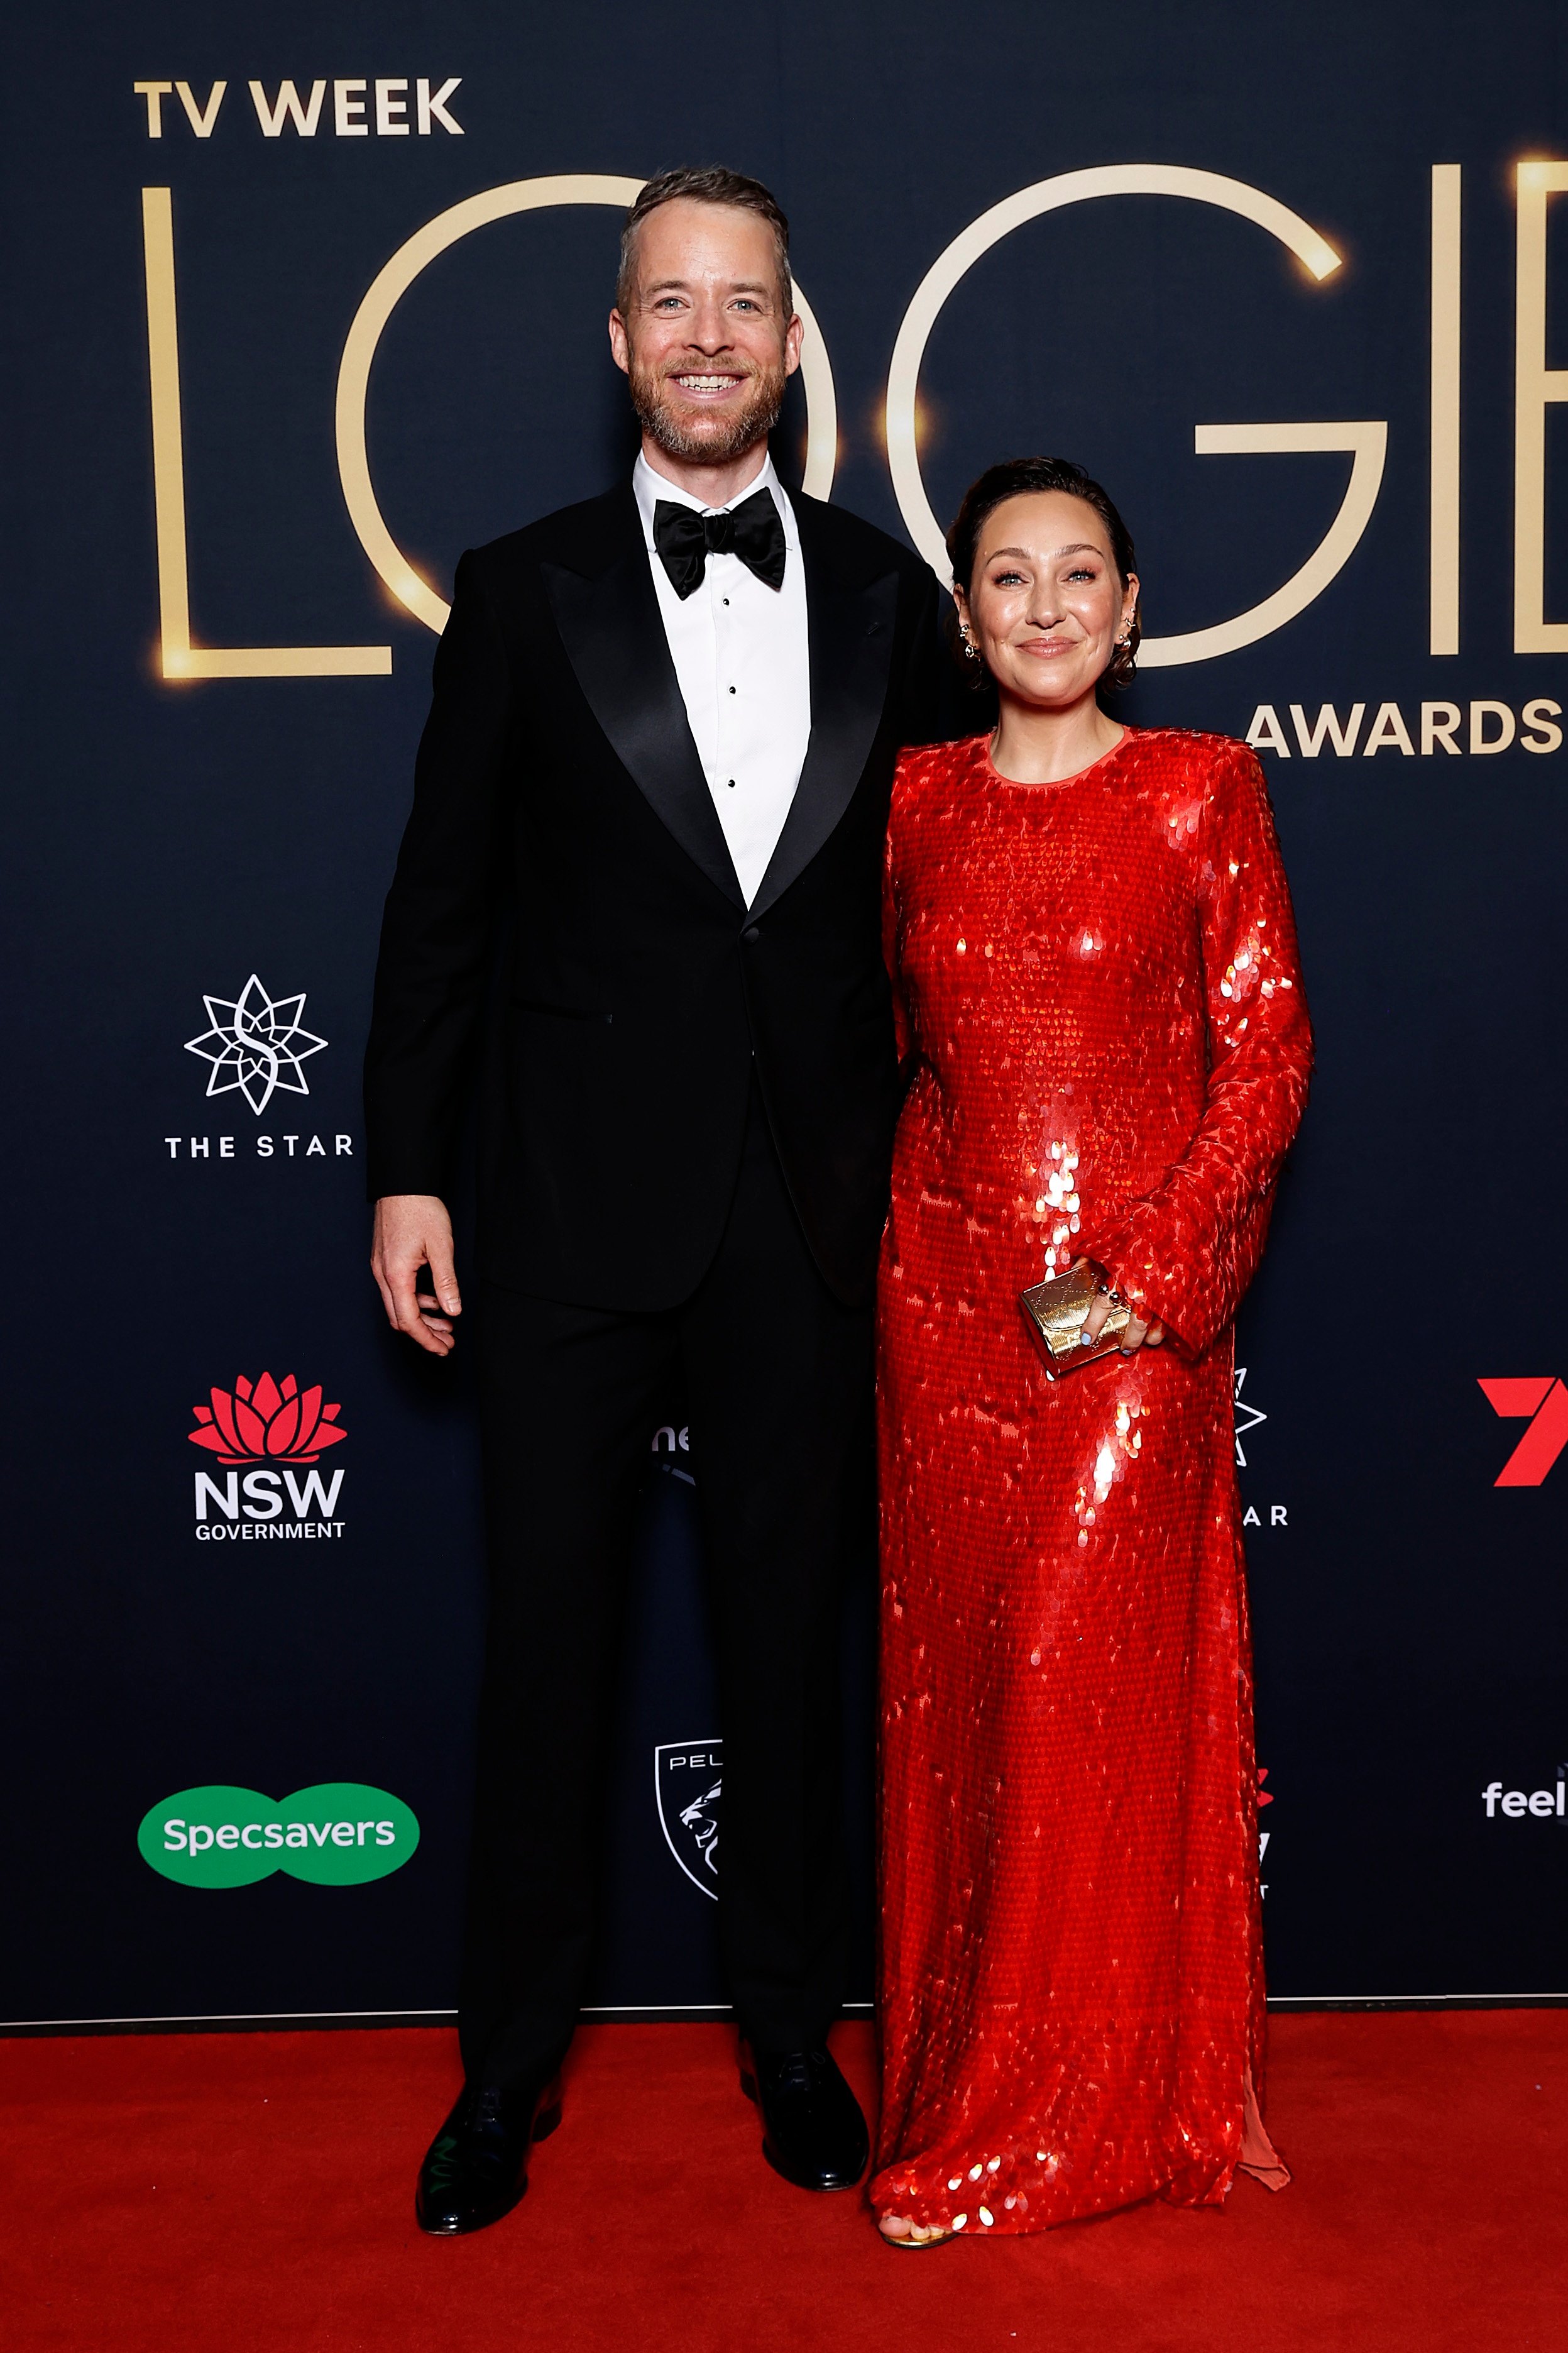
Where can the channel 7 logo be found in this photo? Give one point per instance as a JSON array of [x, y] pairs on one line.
[[1544, 1402]]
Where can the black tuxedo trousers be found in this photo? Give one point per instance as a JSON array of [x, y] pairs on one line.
[[777, 1372]]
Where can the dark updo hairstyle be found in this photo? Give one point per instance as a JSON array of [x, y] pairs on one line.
[[1019, 477]]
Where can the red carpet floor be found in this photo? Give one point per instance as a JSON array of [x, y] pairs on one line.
[[230, 2193]]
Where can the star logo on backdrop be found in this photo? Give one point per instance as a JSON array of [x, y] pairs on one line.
[[1247, 1416], [255, 1045]]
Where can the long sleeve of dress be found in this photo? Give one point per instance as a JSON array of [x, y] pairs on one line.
[[1186, 1252]]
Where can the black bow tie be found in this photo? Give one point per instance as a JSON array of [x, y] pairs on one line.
[[684, 541]]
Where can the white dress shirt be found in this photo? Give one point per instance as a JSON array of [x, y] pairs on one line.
[[742, 660]]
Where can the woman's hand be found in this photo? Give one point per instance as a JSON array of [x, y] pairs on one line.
[[1136, 1335]]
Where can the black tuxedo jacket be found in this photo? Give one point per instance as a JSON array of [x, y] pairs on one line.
[[566, 913]]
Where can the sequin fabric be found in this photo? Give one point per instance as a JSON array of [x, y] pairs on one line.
[[1099, 980]]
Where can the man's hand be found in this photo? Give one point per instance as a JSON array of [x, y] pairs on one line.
[[1134, 1336], [412, 1230]]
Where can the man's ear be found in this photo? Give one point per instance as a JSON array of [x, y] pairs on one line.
[[620, 344]]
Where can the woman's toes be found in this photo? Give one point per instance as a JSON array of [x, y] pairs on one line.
[[905, 2232]]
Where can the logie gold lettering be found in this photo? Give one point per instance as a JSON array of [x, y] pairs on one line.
[[1443, 607], [1366, 439], [180, 658], [1536, 388]]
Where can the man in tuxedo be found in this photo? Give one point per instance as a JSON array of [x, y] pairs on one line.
[[639, 894]]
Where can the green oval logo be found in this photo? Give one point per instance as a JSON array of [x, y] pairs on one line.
[[339, 1834]]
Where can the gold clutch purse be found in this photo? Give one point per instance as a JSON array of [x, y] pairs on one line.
[[1056, 1311]]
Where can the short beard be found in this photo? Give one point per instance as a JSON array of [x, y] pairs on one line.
[[701, 442]]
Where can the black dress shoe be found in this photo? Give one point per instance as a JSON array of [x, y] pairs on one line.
[[475, 2168], [813, 2130]]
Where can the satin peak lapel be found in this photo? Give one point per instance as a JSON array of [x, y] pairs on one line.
[[613, 636], [851, 638]]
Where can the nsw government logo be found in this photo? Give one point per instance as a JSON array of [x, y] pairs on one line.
[[338, 1834], [688, 1779], [281, 1430]]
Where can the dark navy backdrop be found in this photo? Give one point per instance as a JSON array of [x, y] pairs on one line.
[[167, 838]]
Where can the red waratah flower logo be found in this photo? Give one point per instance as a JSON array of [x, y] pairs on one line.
[[265, 1423]]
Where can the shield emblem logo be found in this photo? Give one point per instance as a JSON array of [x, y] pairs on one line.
[[688, 1777]]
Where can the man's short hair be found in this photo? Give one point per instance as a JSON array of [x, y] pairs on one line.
[[710, 186]]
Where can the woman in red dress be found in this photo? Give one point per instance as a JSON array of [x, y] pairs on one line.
[[1092, 944]]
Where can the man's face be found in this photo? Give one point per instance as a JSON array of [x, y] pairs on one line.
[[705, 343]]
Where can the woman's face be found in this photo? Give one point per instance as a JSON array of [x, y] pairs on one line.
[[1045, 606]]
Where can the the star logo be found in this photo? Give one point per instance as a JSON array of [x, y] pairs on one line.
[[255, 1045], [1253, 1414]]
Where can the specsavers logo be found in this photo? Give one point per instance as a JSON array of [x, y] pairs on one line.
[[337, 1834]]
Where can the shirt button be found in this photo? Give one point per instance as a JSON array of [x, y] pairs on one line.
[[731, 784], [726, 600], [731, 689]]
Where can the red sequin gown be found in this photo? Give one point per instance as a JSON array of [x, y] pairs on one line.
[[1099, 979]]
